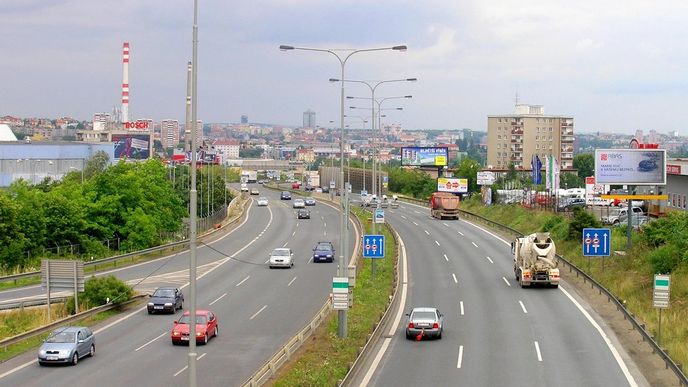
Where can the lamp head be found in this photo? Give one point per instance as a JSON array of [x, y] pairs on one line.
[[285, 48], [334, 80], [399, 48], [408, 96], [411, 79]]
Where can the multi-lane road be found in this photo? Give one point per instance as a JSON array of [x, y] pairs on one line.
[[495, 333], [258, 308]]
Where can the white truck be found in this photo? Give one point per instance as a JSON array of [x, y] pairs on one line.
[[249, 176], [535, 260]]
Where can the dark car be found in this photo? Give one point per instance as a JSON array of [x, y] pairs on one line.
[[165, 300], [303, 214], [326, 189], [285, 195], [323, 251]]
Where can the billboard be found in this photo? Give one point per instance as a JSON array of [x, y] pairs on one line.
[[418, 156], [630, 166], [132, 146], [445, 184], [486, 178]]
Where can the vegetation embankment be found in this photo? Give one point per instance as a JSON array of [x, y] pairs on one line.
[[108, 210], [661, 247], [97, 291], [327, 358]]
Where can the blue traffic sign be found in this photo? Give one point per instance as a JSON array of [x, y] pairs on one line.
[[596, 242], [373, 246]]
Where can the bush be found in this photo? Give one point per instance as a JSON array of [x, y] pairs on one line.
[[97, 292], [581, 219], [664, 259], [551, 222]]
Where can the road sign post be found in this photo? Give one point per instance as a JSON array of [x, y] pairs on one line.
[[596, 243], [660, 298], [379, 216], [373, 247]]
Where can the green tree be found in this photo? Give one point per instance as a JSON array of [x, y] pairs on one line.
[[570, 180], [13, 241], [468, 169], [585, 164], [96, 164]]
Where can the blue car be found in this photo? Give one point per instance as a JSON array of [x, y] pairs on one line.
[[323, 252]]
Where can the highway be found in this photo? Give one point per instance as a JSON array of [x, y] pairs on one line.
[[495, 333], [258, 308]]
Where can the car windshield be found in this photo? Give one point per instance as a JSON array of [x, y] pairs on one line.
[[324, 246], [61, 337], [200, 319], [263, 199], [423, 316], [164, 293], [280, 252]]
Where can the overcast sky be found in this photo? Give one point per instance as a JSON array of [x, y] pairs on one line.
[[615, 66]]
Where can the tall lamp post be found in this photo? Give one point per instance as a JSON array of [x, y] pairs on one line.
[[342, 61]]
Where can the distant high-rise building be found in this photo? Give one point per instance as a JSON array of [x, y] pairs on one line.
[[169, 133], [100, 120], [653, 137], [639, 135], [229, 149], [244, 119], [309, 119], [516, 138]]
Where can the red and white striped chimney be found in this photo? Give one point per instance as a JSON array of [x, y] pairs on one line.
[[125, 82]]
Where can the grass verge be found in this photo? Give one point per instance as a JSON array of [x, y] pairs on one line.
[[629, 277], [327, 358]]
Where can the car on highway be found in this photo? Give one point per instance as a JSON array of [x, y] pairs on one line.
[[281, 257], [67, 345], [299, 203], [206, 327], [303, 214], [244, 187], [262, 201], [295, 185], [309, 201], [323, 252], [165, 299], [254, 191], [286, 195], [424, 322]]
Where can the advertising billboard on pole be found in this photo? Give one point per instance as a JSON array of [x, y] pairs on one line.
[[630, 166], [418, 156], [452, 185]]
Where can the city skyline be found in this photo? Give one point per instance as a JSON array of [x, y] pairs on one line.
[[615, 68]]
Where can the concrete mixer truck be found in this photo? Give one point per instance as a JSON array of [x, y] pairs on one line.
[[535, 260]]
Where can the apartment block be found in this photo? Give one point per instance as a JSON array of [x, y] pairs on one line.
[[169, 133], [515, 138]]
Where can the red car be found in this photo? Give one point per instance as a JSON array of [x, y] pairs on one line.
[[295, 185], [206, 327]]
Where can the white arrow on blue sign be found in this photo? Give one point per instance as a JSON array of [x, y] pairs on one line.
[[373, 246], [596, 242]]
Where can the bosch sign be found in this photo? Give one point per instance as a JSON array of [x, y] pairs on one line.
[[136, 125]]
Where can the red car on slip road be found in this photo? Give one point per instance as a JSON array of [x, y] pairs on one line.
[[295, 185], [206, 327]]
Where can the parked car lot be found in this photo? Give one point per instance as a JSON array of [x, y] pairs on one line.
[[424, 322], [206, 327], [67, 345], [571, 203], [165, 299]]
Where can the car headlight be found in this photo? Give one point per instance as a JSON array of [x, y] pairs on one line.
[[200, 333], [175, 333], [329, 255], [65, 352], [41, 352], [168, 304], [150, 304]]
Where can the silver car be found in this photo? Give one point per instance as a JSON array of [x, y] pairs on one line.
[[424, 322], [299, 203], [67, 345], [281, 257]]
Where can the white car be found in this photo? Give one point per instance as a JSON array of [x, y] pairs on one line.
[[262, 201], [299, 203], [244, 187], [281, 257]]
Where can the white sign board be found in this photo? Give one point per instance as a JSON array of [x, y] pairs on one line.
[[486, 178], [630, 166], [660, 293], [452, 185], [340, 293]]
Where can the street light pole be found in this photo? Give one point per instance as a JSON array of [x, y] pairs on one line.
[[342, 257], [192, 217]]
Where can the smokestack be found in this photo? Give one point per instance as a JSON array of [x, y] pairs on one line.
[[125, 82], [187, 127]]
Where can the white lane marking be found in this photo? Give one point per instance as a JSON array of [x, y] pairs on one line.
[[325, 232], [612, 348], [489, 233], [397, 318], [256, 314], [218, 299], [267, 260], [403, 217], [445, 258], [458, 363], [445, 223], [181, 370], [460, 233], [438, 243], [461, 305], [292, 234], [294, 279], [322, 218], [417, 212], [426, 231], [507, 282], [523, 306], [203, 354], [310, 259], [243, 280], [297, 224], [537, 349], [455, 280], [325, 224], [474, 244], [415, 223], [285, 244], [161, 335], [490, 259]]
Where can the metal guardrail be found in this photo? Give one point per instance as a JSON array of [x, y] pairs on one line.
[[67, 320], [270, 368], [116, 258], [28, 303], [669, 363]]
